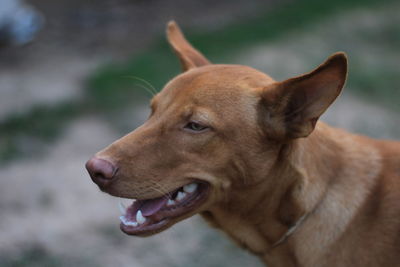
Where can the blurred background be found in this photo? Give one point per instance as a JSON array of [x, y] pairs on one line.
[[67, 90]]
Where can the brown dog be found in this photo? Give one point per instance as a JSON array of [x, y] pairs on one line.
[[247, 153]]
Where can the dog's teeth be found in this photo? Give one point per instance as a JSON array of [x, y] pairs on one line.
[[180, 196], [134, 224], [170, 202], [190, 188], [139, 217], [122, 208], [123, 219]]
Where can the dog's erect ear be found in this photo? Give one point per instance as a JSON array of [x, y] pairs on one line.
[[295, 105], [188, 55]]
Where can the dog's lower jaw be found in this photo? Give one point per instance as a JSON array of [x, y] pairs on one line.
[[146, 217]]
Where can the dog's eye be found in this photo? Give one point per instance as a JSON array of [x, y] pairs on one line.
[[195, 126]]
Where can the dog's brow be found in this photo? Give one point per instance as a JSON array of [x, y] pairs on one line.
[[202, 115], [187, 113], [153, 103]]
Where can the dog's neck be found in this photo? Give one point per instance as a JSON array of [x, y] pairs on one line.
[[258, 217]]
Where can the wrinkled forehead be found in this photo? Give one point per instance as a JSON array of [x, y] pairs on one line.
[[214, 85]]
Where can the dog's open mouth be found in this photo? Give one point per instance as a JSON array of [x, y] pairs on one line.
[[150, 216]]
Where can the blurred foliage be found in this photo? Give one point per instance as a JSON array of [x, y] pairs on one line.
[[41, 124], [114, 85], [377, 84], [36, 256], [158, 64], [111, 87]]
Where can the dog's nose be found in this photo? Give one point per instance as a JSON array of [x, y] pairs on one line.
[[101, 171]]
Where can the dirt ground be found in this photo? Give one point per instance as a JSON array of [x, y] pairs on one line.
[[51, 214]]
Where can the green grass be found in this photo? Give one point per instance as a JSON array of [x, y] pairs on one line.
[[158, 64], [25, 133], [380, 85], [110, 88], [33, 257], [37, 256]]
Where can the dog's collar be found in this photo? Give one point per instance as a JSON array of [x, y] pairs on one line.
[[290, 231]]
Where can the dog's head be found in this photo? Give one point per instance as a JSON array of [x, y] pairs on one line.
[[212, 131]]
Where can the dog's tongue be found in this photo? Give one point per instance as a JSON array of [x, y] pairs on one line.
[[151, 206]]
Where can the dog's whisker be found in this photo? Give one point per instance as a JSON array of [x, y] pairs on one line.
[[159, 188], [146, 85], [150, 86], [146, 82], [145, 88]]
